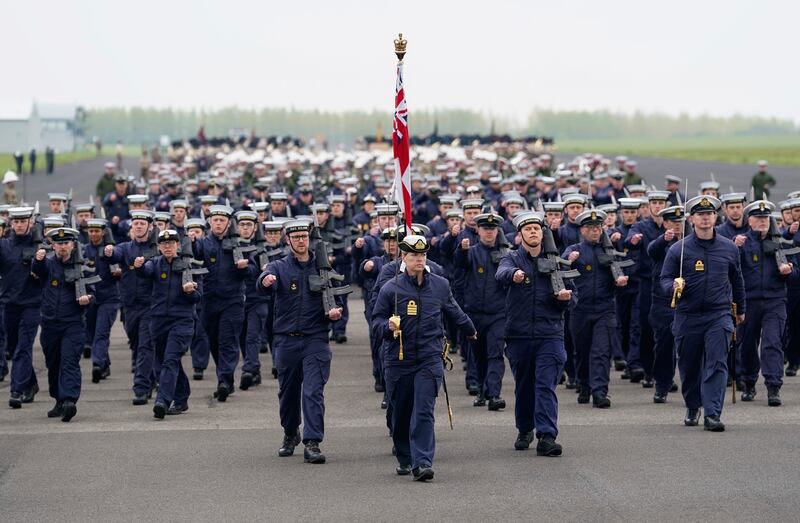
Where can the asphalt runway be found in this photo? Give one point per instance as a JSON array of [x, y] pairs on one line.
[[218, 462]]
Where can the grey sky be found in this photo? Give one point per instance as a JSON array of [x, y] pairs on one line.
[[503, 57]]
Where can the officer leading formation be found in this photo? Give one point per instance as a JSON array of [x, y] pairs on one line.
[[248, 254]]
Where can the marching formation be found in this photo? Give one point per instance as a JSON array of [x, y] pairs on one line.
[[568, 271]]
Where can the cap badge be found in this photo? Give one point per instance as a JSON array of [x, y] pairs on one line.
[[419, 245], [705, 203], [481, 270], [761, 206]]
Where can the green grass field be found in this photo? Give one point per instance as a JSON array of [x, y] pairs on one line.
[[778, 150], [7, 160]]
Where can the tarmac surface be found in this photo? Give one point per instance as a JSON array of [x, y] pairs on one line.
[[115, 462], [218, 462]]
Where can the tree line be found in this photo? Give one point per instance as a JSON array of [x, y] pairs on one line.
[[146, 125]]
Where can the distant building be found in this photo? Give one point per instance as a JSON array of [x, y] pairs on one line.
[[56, 126]]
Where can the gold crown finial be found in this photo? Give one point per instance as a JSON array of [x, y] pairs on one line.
[[400, 46]]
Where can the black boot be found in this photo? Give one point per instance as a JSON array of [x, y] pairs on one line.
[[222, 392], [290, 441], [257, 379], [547, 446], [673, 387], [479, 401], [140, 399], [312, 454], [87, 352], [175, 409], [379, 386], [496, 403], [774, 396], [159, 410], [626, 374], [341, 338], [403, 470], [473, 389], [749, 392], [30, 394], [384, 403], [524, 440], [600, 401], [647, 382], [68, 410], [791, 370], [583, 396], [274, 373], [197, 375], [105, 373], [96, 373], [660, 397], [3, 373], [246, 382], [15, 400], [571, 384], [692, 417], [56, 412], [422, 473], [620, 364], [636, 375], [713, 424]]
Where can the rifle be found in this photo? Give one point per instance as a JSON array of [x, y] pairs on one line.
[[74, 273], [108, 238], [772, 245], [232, 243], [260, 242], [323, 281], [609, 257], [551, 262], [186, 262], [37, 237], [152, 244]]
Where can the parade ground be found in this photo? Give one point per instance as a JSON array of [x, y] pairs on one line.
[[219, 462]]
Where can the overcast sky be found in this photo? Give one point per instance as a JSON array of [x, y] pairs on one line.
[[716, 57]]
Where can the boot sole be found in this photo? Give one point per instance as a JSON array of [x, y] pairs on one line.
[[549, 453], [315, 461]]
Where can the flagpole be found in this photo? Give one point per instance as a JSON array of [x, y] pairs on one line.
[[401, 145]]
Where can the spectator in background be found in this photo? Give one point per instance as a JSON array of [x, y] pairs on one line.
[[10, 191], [18, 159], [762, 182], [50, 159], [32, 160]]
